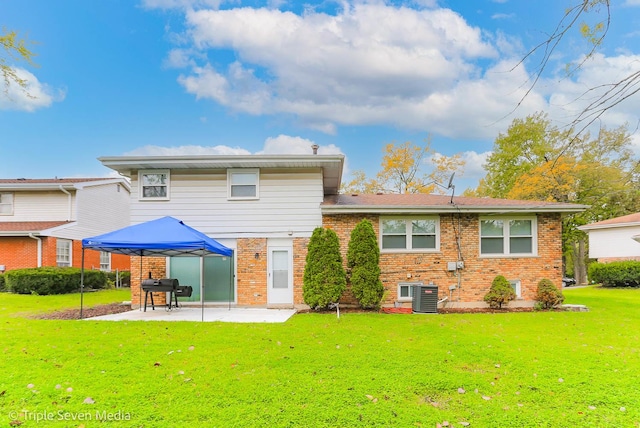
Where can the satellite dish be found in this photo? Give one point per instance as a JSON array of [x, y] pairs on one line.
[[450, 185]]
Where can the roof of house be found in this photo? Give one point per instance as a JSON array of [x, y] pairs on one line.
[[56, 183], [331, 165], [425, 203], [623, 221], [24, 228]]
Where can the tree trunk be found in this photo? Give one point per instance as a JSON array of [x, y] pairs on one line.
[[579, 265]]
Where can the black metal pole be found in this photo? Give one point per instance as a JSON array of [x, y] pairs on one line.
[[82, 283]]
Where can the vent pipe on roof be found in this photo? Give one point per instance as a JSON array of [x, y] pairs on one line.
[[315, 148]]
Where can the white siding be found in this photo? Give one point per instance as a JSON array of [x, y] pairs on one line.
[[614, 242], [42, 206], [289, 204], [101, 209]]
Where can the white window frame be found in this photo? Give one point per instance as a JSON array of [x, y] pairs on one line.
[[4, 197], [141, 185], [409, 285], [244, 171], [516, 284], [408, 243], [506, 237], [62, 262], [105, 266]]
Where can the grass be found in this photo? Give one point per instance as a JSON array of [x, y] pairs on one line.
[[552, 369]]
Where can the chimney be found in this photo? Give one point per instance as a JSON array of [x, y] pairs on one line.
[[315, 148]]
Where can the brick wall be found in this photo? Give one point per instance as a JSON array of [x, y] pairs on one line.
[[251, 261], [21, 252], [478, 273], [157, 266]]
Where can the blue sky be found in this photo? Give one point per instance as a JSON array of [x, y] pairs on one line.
[[154, 77]]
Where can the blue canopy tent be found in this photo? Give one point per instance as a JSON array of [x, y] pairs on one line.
[[166, 236]]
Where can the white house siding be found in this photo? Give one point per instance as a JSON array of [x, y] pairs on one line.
[[42, 206], [289, 204], [614, 242], [101, 209]]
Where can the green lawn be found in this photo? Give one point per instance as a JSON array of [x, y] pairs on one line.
[[555, 369]]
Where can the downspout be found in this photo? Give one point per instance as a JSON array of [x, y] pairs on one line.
[[32, 236], [63, 190]]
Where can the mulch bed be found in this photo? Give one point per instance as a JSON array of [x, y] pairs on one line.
[[74, 314]]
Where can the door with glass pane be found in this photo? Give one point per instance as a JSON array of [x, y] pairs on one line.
[[280, 276], [218, 277]]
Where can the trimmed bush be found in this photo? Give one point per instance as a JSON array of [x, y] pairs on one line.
[[2, 287], [500, 293], [616, 274], [363, 259], [548, 295], [324, 278], [52, 280]]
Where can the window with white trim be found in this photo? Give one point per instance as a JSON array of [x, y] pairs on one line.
[[508, 236], [517, 287], [63, 252], [6, 203], [243, 183], [154, 184], [405, 291], [105, 261], [413, 233]]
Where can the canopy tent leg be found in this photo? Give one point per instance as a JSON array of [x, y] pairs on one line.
[[82, 283], [202, 285], [232, 280], [140, 285]]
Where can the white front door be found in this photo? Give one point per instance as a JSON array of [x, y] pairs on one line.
[[280, 280]]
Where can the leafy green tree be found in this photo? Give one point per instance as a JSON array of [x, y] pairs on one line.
[[500, 293], [363, 259], [15, 50], [324, 278], [403, 171]]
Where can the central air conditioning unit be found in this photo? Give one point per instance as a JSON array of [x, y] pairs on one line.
[[425, 299]]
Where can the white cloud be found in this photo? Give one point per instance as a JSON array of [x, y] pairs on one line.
[[282, 144], [369, 64], [220, 150], [474, 164], [37, 95]]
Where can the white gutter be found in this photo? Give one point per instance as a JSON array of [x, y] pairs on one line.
[[32, 236], [63, 190]]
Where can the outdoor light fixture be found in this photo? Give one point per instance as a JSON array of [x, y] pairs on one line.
[[257, 256]]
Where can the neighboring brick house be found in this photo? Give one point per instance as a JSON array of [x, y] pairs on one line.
[[42, 221], [614, 239], [266, 207]]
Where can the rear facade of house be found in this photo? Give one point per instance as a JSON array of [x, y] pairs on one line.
[[266, 207], [42, 221]]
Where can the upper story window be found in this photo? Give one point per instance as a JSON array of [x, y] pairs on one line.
[[6, 203], [105, 261], [508, 236], [63, 252], [415, 234], [243, 183], [154, 185]]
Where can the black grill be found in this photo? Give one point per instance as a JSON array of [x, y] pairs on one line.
[[161, 285]]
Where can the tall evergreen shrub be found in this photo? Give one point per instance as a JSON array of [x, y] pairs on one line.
[[548, 294], [324, 278], [363, 259]]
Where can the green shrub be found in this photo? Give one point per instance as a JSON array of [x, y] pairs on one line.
[[616, 274], [324, 278], [363, 259], [500, 293], [548, 295], [52, 280], [125, 277], [2, 287]]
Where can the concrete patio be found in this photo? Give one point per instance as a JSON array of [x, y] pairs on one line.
[[239, 315]]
